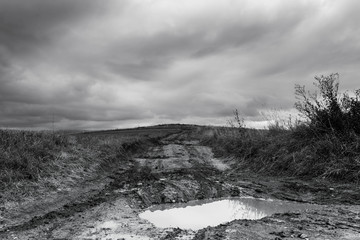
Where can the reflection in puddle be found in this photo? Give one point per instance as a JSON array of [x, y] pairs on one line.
[[200, 214]]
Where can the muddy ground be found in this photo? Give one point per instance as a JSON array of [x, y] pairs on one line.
[[180, 169]]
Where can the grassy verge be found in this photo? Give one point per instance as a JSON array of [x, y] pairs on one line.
[[326, 144], [297, 152], [41, 161]]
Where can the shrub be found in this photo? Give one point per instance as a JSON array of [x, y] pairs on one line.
[[328, 111]]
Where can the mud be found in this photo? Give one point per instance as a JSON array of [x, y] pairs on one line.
[[178, 170]]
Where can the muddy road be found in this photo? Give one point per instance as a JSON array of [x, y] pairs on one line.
[[180, 170]]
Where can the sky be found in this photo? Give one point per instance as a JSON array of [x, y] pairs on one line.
[[95, 64]]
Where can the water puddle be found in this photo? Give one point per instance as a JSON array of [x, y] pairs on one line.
[[200, 214]]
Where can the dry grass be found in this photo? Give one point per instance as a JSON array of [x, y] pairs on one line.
[[295, 152], [42, 161], [325, 144]]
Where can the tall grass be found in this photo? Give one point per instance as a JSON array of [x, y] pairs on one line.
[[34, 155], [291, 153], [27, 154], [326, 145]]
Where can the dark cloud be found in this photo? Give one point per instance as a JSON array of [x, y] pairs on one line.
[[25, 25], [198, 39]]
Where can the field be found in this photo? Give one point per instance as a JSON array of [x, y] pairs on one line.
[[93, 185]]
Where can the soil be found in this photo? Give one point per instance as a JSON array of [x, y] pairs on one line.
[[180, 169]]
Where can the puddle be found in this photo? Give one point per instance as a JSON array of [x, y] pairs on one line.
[[200, 214]]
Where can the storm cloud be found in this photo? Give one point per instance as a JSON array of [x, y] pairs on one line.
[[91, 64]]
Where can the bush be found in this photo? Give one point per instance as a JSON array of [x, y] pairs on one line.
[[328, 111]]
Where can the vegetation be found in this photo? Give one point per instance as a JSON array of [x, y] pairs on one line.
[[328, 111], [326, 144], [28, 155], [237, 122], [41, 161]]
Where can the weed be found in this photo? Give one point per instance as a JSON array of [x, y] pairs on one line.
[[237, 122]]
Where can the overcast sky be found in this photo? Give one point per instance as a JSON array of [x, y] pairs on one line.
[[95, 64]]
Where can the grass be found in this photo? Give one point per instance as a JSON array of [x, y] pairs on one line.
[[41, 161], [289, 152], [28, 155]]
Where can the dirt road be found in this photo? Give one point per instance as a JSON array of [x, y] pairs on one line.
[[180, 169]]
